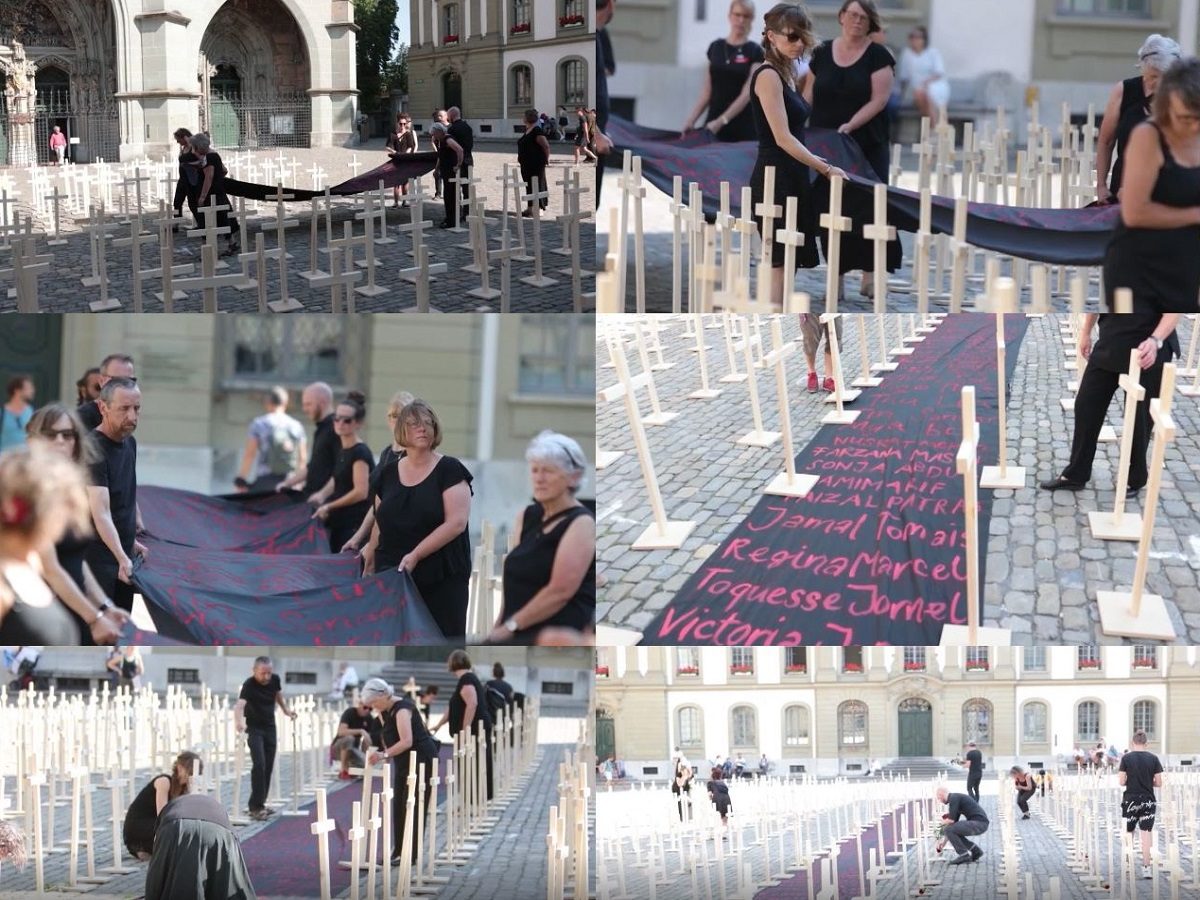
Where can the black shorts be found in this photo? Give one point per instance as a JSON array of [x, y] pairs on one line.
[[1138, 813]]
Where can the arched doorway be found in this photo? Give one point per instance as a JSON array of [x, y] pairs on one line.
[[53, 87], [452, 90], [915, 727], [226, 91], [606, 735]]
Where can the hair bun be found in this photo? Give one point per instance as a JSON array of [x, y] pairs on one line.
[[357, 397]]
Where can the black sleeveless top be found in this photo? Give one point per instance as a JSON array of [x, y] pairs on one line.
[[728, 68], [1135, 108], [527, 570], [797, 112], [530, 156], [37, 626], [343, 483], [141, 819], [423, 741], [458, 706]]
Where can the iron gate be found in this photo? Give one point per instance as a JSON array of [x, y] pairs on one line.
[[238, 122], [97, 130]]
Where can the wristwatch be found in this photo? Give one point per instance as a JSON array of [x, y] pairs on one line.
[[1158, 342], [511, 624]]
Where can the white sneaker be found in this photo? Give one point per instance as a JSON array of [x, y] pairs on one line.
[[1146, 873]]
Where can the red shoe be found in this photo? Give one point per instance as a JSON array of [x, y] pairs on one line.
[[827, 384], [812, 382], [344, 776]]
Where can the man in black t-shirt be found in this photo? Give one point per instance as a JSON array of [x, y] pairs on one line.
[[317, 403], [115, 365], [964, 818], [1140, 774], [974, 771], [357, 730], [254, 714], [112, 494], [464, 135]]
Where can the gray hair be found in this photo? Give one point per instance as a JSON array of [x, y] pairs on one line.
[[1159, 52], [375, 689], [116, 384], [559, 450], [262, 661], [200, 143]]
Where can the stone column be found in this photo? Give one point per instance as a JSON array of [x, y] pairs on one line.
[[334, 87], [167, 96]]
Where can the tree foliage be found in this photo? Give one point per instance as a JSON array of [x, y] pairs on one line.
[[376, 20]]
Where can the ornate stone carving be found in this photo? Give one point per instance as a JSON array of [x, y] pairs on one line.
[[32, 23]]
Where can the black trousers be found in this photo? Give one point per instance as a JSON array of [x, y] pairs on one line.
[[185, 191], [958, 833], [527, 175], [262, 763], [973, 781], [448, 197], [400, 801], [1096, 390], [1023, 799], [104, 567]]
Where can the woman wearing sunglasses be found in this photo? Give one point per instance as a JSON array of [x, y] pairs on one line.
[[342, 503], [550, 575], [779, 115], [64, 564]]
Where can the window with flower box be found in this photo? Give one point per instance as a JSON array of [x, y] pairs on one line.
[[687, 662], [573, 14], [852, 659], [741, 661], [450, 33], [914, 659], [604, 662], [1145, 656], [521, 23], [1087, 658], [977, 659], [795, 660]]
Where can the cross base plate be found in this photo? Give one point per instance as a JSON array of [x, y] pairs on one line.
[[847, 397], [542, 282], [709, 394], [285, 305], [794, 486], [658, 418], [605, 458], [861, 382], [845, 417], [1013, 478], [670, 538], [732, 379], [104, 305], [759, 438], [1106, 528], [372, 290], [1116, 616]]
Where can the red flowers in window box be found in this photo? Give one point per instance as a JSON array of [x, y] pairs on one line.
[[568, 21], [687, 670], [602, 671], [852, 667], [1145, 662], [796, 669], [977, 665], [521, 28], [1089, 664], [914, 666], [741, 670], [450, 39]]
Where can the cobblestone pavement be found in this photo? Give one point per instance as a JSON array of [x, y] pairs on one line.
[[522, 824], [1043, 566], [60, 288], [658, 230]]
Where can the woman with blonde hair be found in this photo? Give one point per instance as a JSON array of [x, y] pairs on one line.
[[726, 90], [42, 496], [100, 621], [779, 116]]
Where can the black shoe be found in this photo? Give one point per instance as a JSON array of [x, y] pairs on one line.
[[976, 852], [1026, 816], [962, 858], [446, 225], [1062, 484], [1134, 488]]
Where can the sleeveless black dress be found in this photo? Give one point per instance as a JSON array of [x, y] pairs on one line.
[[1160, 265], [141, 819], [345, 520], [791, 175], [1135, 109], [426, 747], [728, 68], [482, 719], [527, 570]]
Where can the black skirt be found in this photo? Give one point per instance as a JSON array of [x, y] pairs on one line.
[[791, 180]]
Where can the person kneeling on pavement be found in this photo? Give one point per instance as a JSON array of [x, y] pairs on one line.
[[358, 731], [963, 819]]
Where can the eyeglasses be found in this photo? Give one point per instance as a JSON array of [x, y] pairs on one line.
[[67, 434], [344, 420], [791, 38]]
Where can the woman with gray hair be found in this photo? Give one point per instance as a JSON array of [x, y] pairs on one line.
[[1128, 106], [212, 184], [550, 575], [404, 731]]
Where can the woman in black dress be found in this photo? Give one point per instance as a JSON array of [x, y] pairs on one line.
[[404, 732], [343, 501], [142, 816], [65, 564], [212, 185], [718, 794], [1152, 253], [533, 155], [550, 576], [367, 537], [726, 91], [1129, 106], [42, 496], [422, 507], [400, 142], [468, 708], [779, 114], [848, 86]]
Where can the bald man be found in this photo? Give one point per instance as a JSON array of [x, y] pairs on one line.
[[317, 403], [462, 132]]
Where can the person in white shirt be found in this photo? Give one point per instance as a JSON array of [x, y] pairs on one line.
[[922, 74], [345, 682]]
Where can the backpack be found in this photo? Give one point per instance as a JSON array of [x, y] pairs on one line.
[[496, 701], [281, 449]]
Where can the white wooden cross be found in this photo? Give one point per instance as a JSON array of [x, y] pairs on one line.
[[791, 239], [210, 231], [572, 221], [477, 222], [26, 267], [458, 181], [1135, 613], [56, 200], [504, 256], [98, 233], [339, 277], [282, 223], [570, 195], [137, 181], [421, 275], [959, 248], [840, 415], [324, 824], [208, 280], [1002, 476], [166, 259], [769, 211], [835, 223], [134, 243], [370, 289], [314, 270], [538, 280], [880, 233], [354, 165], [787, 483], [1120, 525], [758, 436]]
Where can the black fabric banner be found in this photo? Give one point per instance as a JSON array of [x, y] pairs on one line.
[[252, 569], [391, 173], [876, 552], [1055, 236]]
